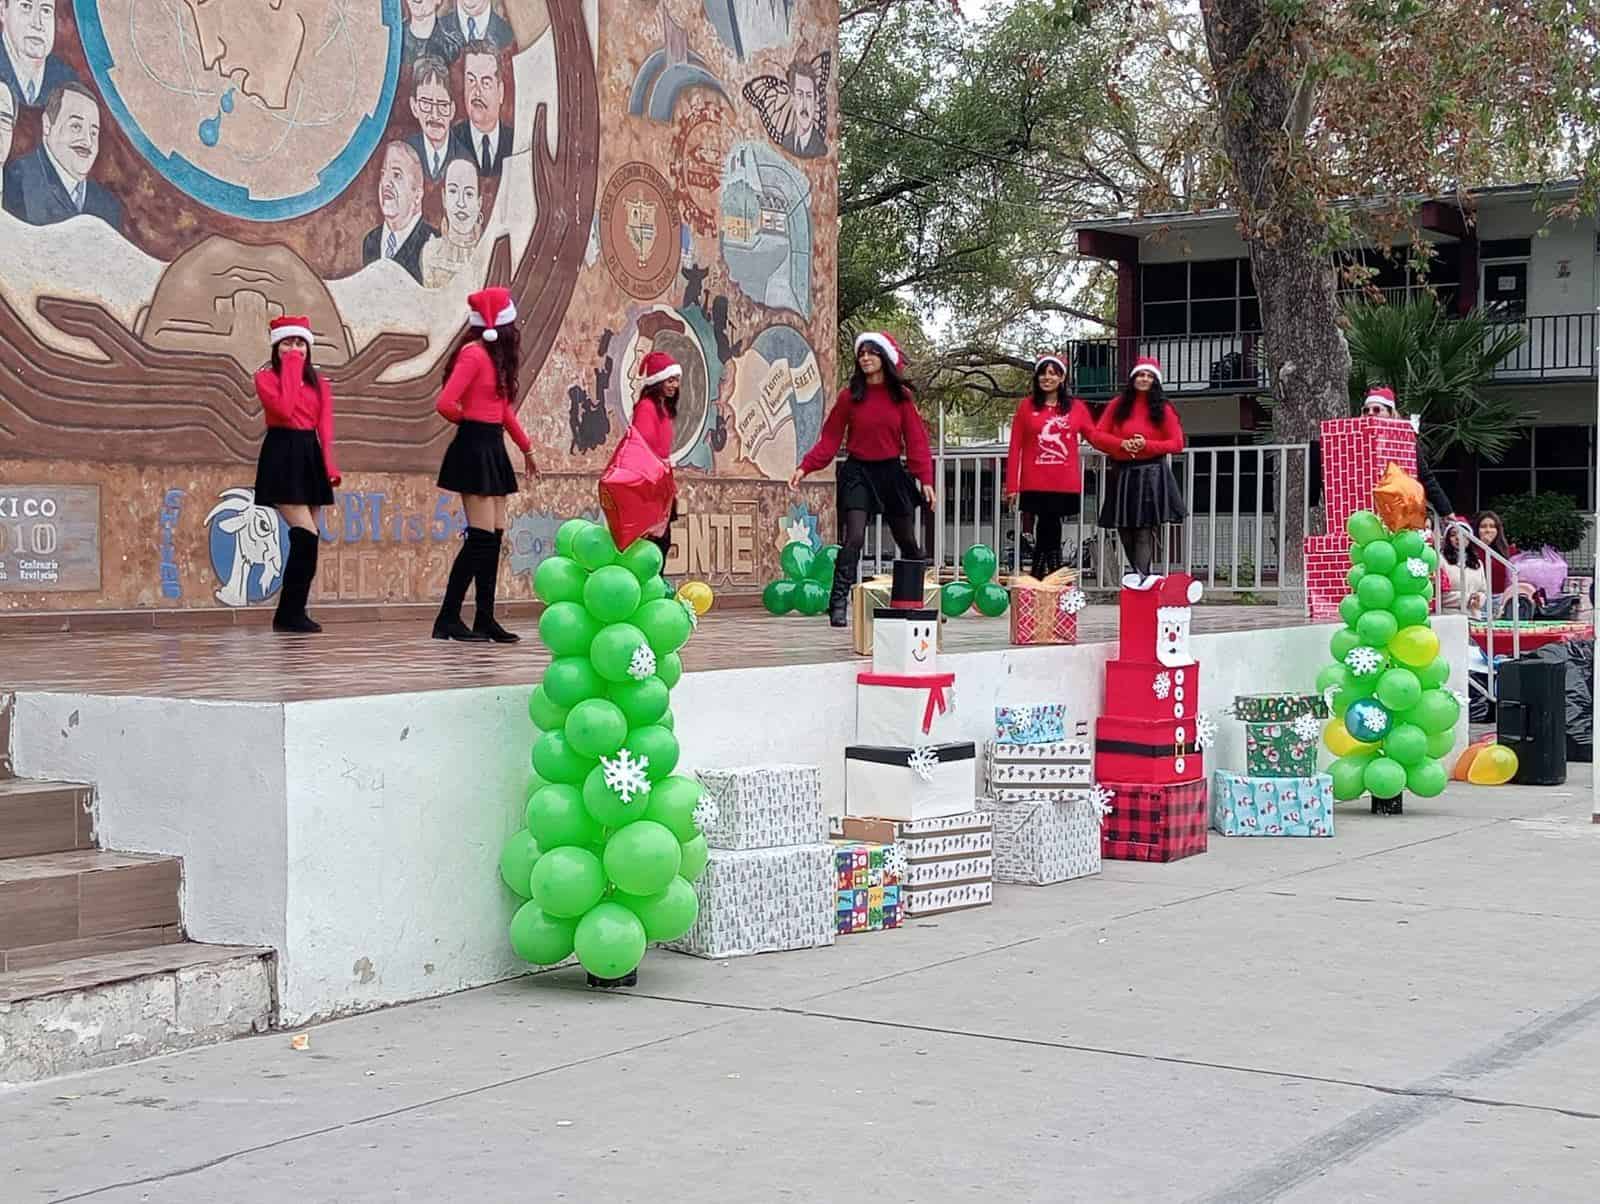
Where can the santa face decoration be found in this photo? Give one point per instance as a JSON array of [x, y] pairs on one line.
[[905, 643], [1172, 635]]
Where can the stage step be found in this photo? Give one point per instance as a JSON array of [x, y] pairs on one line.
[[44, 817], [84, 894], [90, 1012]]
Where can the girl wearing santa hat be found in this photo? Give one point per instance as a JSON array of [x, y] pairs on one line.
[[480, 397], [296, 471], [1042, 465], [654, 416], [874, 418], [1138, 432]]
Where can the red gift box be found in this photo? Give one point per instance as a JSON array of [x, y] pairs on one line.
[[1153, 624], [1045, 611], [1327, 565], [1156, 751], [1147, 690], [1355, 452], [1154, 822]]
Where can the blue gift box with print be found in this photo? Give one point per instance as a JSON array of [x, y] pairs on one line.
[[1242, 805], [1045, 723]]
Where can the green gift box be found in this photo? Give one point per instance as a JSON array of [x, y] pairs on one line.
[[1278, 708], [1273, 750]]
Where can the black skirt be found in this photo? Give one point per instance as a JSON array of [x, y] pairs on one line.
[[291, 471], [879, 487], [476, 462], [1143, 493], [1051, 504]]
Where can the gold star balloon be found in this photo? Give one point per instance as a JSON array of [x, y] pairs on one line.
[[1400, 500]]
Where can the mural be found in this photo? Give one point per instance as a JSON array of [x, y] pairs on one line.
[[640, 173]]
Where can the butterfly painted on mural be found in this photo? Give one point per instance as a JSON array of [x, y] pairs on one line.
[[795, 109]]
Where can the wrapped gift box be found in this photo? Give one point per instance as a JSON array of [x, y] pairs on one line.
[[1038, 842], [867, 884], [873, 594], [1151, 690], [1045, 723], [1355, 453], [1154, 822], [1278, 708], [943, 871], [1156, 751], [905, 710], [936, 900], [1242, 805], [934, 839], [764, 806], [886, 783], [1061, 764], [1272, 750], [1045, 611], [763, 901], [1327, 565]]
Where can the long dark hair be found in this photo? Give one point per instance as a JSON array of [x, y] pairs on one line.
[[307, 372], [1157, 402], [1501, 544], [899, 388], [505, 353], [668, 405], [1062, 399]]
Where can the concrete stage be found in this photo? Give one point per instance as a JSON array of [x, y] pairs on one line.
[[342, 799]]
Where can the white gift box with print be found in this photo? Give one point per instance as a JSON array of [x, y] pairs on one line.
[[923, 901], [1040, 841], [764, 806], [763, 901], [894, 709], [1062, 771], [910, 783]]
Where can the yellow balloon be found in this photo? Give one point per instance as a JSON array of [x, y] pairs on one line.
[[1339, 740], [1493, 766], [697, 594], [1415, 647]]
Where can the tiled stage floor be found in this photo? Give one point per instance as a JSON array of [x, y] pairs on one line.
[[350, 659]]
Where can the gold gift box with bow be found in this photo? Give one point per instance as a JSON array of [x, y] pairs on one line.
[[873, 593]]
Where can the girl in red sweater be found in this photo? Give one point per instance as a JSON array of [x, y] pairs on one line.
[[874, 417], [1042, 465], [296, 471], [654, 416], [1138, 432], [480, 397]]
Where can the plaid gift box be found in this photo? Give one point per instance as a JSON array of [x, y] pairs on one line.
[[1151, 822], [1247, 806], [1272, 750], [873, 594], [867, 886], [1045, 611], [1278, 708]]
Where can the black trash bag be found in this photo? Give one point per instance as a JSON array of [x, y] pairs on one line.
[[1578, 657]]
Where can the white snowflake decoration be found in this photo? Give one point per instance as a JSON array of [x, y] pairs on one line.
[[1100, 799], [923, 761], [1071, 602], [1378, 720], [1161, 684], [1417, 566], [1307, 728], [705, 814], [694, 615], [643, 664], [1020, 719], [625, 774], [1364, 660], [1205, 731], [894, 861], [1328, 696]]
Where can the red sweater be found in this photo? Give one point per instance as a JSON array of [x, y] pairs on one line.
[[1163, 439], [655, 424], [874, 428], [291, 404], [1044, 447], [472, 394]]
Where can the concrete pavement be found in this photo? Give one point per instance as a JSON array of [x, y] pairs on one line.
[[1407, 1012]]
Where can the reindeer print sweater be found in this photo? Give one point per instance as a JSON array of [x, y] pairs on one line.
[[1044, 447]]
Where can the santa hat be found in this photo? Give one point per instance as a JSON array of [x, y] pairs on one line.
[[290, 326], [1381, 395], [491, 307], [1050, 357], [882, 343], [657, 367], [1146, 363]]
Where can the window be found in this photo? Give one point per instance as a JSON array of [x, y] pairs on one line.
[[1544, 459], [1505, 248], [1208, 297]]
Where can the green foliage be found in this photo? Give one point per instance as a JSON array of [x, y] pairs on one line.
[[1544, 519]]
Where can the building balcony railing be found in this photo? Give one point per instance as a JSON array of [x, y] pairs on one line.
[[1554, 347]]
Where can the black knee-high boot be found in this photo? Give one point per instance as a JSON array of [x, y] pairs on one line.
[[844, 576], [298, 574], [448, 626], [487, 577]]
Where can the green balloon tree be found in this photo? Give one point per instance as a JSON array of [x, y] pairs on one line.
[[1392, 717], [807, 579], [611, 840], [980, 589]]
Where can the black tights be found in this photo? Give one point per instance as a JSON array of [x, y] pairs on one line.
[[854, 536], [1046, 544], [1139, 546]]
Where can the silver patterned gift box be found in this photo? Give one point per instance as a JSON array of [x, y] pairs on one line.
[[936, 900], [1062, 770], [764, 806], [944, 855], [1040, 841], [764, 901]]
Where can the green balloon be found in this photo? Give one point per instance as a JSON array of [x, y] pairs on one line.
[[1384, 777], [991, 599], [609, 940], [556, 760], [669, 669], [1427, 780], [1404, 583], [642, 857], [1426, 593], [1348, 773], [810, 597], [556, 817], [1350, 610], [1335, 675], [1431, 559], [1341, 642], [559, 579], [796, 559], [568, 882], [643, 559], [517, 857], [695, 856], [656, 587], [668, 914], [1364, 526], [596, 727], [979, 564], [613, 650], [571, 679], [567, 532], [594, 548], [823, 564], [778, 597], [1398, 689], [547, 716], [1355, 554], [1408, 544], [642, 702], [665, 624], [667, 721], [1436, 711], [1410, 610], [605, 805], [1379, 556], [611, 594], [1406, 744], [1377, 627], [956, 598], [672, 804], [1355, 576], [541, 938], [567, 629], [659, 745], [1434, 674], [1375, 592]]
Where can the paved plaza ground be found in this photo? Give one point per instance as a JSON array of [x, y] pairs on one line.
[[1408, 1012]]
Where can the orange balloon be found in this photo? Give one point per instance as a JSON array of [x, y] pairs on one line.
[[1468, 755], [1400, 500], [1494, 766]]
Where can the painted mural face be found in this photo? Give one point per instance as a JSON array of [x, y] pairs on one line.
[[73, 137], [433, 107], [30, 29], [400, 186], [422, 13], [463, 199], [473, 8], [804, 100], [485, 91], [256, 41]]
